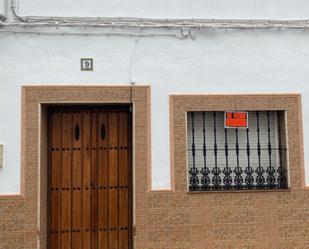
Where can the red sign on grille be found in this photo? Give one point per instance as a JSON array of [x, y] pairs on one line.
[[236, 119]]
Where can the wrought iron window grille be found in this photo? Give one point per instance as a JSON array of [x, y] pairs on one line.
[[249, 158]]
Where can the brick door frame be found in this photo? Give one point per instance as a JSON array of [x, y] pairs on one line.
[[34, 156]]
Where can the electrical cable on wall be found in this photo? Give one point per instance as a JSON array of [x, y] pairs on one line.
[[136, 40], [107, 34], [150, 23], [169, 24], [131, 81]]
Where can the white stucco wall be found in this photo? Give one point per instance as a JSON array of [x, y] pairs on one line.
[[275, 9], [217, 61], [1, 7]]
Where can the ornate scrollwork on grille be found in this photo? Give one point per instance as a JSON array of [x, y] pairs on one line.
[[205, 170], [249, 180], [227, 180]]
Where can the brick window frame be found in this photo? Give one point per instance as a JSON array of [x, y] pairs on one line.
[[180, 104]]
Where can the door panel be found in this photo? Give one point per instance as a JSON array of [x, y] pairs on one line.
[[77, 182], [86, 179], [113, 181], [94, 180], [66, 175], [103, 181], [123, 180], [55, 183], [90, 199]]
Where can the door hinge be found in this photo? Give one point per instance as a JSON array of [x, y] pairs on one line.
[[131, 108], [134, 231]]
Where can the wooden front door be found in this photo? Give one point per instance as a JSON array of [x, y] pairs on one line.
[[89, 182]]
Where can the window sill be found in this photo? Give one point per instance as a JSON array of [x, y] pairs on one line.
[[239, 191]]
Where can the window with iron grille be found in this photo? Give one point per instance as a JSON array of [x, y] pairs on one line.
[[222, 158]]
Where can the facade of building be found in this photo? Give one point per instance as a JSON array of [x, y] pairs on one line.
[[166, 125]]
